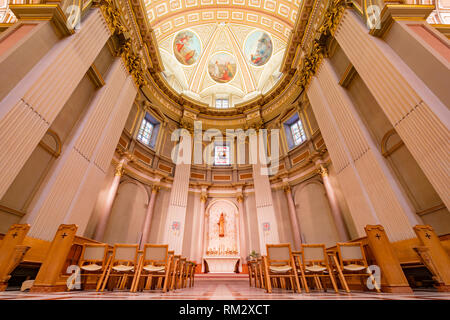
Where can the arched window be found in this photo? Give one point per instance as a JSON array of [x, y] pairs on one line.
[[295, 132], [148, 130], [298, 133]]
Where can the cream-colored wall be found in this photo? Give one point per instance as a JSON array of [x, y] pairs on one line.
[[314, 214], [192, 207], [252, 223], [24, 55], [282, 214], [127, 214], [159, 216], [101, 202], [421, 57], [343, 206]]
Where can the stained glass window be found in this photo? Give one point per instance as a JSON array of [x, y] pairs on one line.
[[221, 155], [145, 132], [222, 103], [298, 133]]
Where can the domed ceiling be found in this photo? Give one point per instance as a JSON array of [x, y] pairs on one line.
[[215, 49]]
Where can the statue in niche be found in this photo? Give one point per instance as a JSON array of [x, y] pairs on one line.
[[221, 224]]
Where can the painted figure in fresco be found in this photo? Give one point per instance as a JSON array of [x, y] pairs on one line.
[[182, 50], [221, 224], [259, 49]]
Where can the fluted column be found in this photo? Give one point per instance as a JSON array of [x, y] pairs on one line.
[[296, 230], [421, 120], [29, 109], [176, 215], [362, 172], [334, 206], [242, 242], [267, 222], [72, 189], [201, 237], [106, 212], [148, 216]]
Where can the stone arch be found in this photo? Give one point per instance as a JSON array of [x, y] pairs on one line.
[[127, 213], [314, 214]]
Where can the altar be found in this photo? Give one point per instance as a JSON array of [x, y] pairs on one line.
[[221, 264]]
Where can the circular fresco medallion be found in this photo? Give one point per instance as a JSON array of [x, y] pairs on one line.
[[258, 48], [187, 47], [222, 67]]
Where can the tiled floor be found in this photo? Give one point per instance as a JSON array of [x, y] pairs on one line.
[[221, 289]]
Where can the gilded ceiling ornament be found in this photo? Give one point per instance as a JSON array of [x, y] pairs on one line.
[[326, 31]]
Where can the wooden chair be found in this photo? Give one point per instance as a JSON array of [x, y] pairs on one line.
[[316, 265], [353, 262], [279, 264], [192, 274], [299, 266], [181, 271], [93, 262], [251, 272], [174, 272], [153, 264], [259, 273], [123, 264]]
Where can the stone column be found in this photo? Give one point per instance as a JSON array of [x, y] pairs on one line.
[[106, 212], [148, 216], [201, 237], [334, 206], [363, 174], [30, 108], [421, 120], [267, 222], [296, 230], [241, 230], [72, 189]]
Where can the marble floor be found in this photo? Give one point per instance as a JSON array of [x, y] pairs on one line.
[[221, 289]]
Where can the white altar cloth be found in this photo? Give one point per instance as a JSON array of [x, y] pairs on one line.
[[219, 264]]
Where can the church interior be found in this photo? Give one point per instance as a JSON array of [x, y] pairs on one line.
[[224, 149]]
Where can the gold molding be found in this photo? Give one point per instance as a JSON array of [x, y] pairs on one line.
[[42, 12], [400, 12], [12, 211], [95, 76], [348, 75], [442, 28]]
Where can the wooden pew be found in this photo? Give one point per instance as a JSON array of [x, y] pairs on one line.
[[434, 256], [12, 251], [405, 255]]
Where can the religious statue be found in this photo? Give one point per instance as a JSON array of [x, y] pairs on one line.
[[221, 224]]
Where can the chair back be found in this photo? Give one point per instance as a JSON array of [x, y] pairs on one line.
[[93, 253], [314, 254], [351, 253], [156, 254], [279, 254], [125, 254]]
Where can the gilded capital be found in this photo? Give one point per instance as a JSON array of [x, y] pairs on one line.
[[322, 171], [155, 188], [287, 188], [119, 170], [240, 197], [203, 197]]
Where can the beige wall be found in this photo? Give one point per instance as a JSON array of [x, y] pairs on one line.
[[127, 214], [314, 214]]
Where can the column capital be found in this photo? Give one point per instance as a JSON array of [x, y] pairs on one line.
[[322, 170], [119, 169], [203, 197], [240, 197], [155, 188], [286, 187]]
